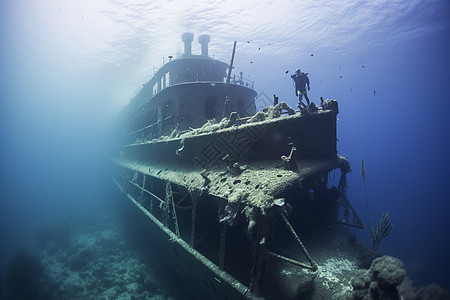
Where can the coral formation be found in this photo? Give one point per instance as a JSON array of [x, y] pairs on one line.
[[268, 113], [388, 271], [386, 279], [432, 292], [366, 257], [381, 280]]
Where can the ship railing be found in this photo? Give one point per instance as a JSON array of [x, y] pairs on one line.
[[242, 82], [158, 90], [144, 131], [159, 87], [211, 80]]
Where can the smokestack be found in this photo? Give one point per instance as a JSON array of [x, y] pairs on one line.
[[187, 39], [204, 39]]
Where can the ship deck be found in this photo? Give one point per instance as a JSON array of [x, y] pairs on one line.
[[259, 184]]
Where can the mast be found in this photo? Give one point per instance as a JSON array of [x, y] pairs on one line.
[[231, 64]]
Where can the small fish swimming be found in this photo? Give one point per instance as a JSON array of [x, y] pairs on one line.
[[287, 71]]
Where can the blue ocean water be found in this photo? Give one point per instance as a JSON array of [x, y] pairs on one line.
[[68, 67]]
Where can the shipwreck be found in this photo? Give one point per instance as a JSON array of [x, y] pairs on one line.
[[229, 192]]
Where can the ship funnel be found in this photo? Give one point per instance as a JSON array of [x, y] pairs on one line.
[[204, 39], [187, 39]]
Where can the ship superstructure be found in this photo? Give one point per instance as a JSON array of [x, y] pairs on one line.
[[185, 93]]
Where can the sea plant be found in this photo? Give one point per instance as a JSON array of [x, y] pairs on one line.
[[383, 229], [384, 226]]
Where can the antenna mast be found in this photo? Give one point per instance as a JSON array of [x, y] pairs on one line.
[[231, 64]]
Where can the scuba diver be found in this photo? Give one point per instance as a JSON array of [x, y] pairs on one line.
[[301, 79]]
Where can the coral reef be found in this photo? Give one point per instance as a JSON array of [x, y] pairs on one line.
[[366, 257], [388, 271], [386, 279], [98, 264], [407, 290], [381, 280], [432, 292]]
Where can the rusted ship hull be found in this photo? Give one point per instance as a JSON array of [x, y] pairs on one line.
[[216, 197], [227, 190], [201, 277]]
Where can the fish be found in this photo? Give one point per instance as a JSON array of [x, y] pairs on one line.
[[287, 71]]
